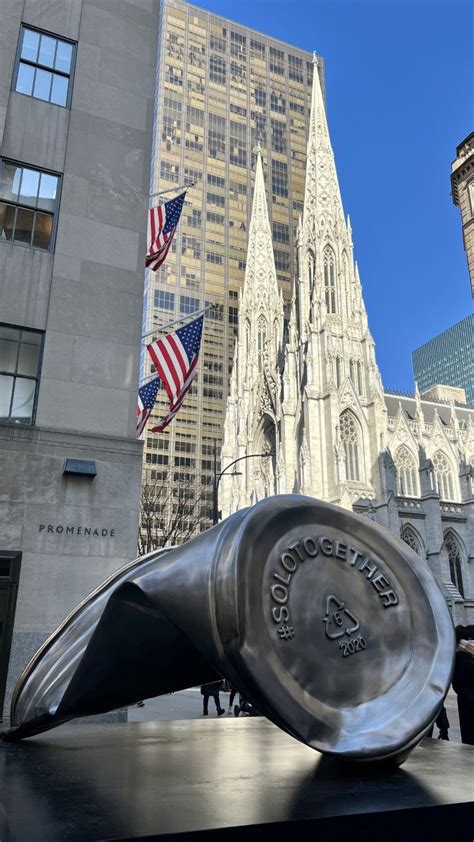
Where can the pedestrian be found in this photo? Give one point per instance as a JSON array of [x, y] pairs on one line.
[[442, 722], [233, 693], [213, 689], [463, 681]]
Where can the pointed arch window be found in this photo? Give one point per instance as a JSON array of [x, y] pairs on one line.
[[410, 537], [337, 366], [329, 279], [407, 474], [350, 438], [444, 476], [453, 550], [261, 340]]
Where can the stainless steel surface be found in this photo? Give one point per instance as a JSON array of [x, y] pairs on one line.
[[333, 628]]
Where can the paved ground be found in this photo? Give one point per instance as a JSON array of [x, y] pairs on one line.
[[187, 704]]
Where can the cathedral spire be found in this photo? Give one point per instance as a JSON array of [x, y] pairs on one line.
[[322, 192], [260, 282]]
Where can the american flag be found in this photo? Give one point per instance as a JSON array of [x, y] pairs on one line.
[[162, 224], [173, 410], [146, 400], [175, 357]]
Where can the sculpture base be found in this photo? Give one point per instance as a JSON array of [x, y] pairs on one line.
[[241, 778]]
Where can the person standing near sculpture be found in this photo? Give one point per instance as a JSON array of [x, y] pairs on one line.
[[213, 689], [463, 681]]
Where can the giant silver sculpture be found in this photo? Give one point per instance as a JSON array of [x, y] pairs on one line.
[[333, 628]]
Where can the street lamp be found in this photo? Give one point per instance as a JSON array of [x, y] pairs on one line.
[[218, 477]]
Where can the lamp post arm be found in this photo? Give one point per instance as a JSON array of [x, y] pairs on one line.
[[240, 459]]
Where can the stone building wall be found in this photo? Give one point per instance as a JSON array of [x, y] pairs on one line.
[[83, 296]]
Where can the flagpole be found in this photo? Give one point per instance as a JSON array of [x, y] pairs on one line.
[[170, 324], [172, 189], [177, 321]]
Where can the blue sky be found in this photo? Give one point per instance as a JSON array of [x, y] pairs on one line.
[[399, 87]]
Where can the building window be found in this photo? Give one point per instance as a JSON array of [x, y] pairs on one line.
[[164, 300], [329, 279], [212, 257], [409, 536], [281, 232], [407, 482], [188, 305], [233, 315], [350, 439], [169, 172], [28, 202], [443, 476], [20, 355], [216, 313], [282, 260], [452, 548], [217, 69], [279, 178], [44, 67], [195, 220]]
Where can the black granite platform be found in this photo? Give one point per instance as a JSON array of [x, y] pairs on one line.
[[224, 779]]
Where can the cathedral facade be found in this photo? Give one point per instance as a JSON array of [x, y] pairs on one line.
[[307, 409]]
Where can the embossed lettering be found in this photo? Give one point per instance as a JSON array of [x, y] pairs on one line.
[[280, 594], [380, 583], [356, 555], [280, 613], [390, 596], [310, 547], [368, 567], [340, 550], [295, 545], [285, 580], [288, 562], [325, 545]]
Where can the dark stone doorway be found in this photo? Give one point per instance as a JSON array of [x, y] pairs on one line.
[[9, 576]]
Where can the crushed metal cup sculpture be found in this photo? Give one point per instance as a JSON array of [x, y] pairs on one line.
[[332, 627]]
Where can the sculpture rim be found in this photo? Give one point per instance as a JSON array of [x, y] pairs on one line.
[[419, 687]]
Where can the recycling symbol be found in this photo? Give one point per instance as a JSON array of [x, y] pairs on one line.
[[338, 620]]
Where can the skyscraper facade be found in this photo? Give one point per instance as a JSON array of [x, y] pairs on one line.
[[462, 191], [448, 359], [222, 89], [76, 99]]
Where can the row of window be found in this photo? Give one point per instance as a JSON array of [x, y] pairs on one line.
[[164, 300], [406, 467], [451, 545], [28, 212]]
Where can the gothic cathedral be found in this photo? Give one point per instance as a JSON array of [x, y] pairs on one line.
[[306, 401]]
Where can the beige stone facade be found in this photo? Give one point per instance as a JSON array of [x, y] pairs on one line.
[[462, 184]]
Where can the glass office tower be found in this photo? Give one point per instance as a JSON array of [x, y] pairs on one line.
[[448, 359], [221, 89]]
